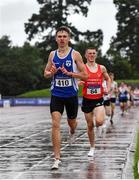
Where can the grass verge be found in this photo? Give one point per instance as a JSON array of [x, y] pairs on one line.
[[36, 93], [40, 93], [136, 159]]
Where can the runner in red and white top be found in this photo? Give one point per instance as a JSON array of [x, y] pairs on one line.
[[93, 91]]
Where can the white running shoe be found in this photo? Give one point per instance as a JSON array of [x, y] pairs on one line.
[[104, 126], [99, 131], [71, 138], [56, 164], [104, 129], [91, 152]]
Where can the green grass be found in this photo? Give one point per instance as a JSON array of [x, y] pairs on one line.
[[129, 81], [40, 93], [136, 159], [46, 92], [36, 93]]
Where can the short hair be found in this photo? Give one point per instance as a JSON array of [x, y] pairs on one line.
[[64, 28], [111, 74], [92, 48]]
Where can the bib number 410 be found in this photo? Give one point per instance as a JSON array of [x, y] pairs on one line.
[[63, 82]]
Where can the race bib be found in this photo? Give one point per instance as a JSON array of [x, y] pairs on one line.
[[106, 97], [63, 82], [123, 95], [113, 96], [93, 90]]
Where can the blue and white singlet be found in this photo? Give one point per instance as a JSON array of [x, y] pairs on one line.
[[63, 85]]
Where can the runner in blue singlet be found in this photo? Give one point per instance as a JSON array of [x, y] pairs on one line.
[[64, 65]]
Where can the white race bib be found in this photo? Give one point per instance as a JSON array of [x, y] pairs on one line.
[[93, 90], [63, 82], [106, 97]]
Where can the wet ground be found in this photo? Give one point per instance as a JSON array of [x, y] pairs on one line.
[[26, 149]]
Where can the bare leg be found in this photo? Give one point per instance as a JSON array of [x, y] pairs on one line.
[[90, 132], [56, 137], [108, 110], [72, 124], [90, 128], [100, 115], [112, 112], [122, 107]]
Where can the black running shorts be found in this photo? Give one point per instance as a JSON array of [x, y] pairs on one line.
[[88, 105], [107, 102], [113, 100], [70, 104]]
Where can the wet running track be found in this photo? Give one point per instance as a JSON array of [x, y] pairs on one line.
[[26, 149]]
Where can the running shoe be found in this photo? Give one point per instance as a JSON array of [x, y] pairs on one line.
[[56, 164], [104, 129], [91, 152], [104, 126], [122, 114], [71, 138], [99, 131]]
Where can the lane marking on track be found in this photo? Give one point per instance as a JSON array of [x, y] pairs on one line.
[[5, 145], [44, 159]]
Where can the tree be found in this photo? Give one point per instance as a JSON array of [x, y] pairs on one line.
[[55, 13], [126, 42], [119, 65], [5, 45], [94, 41], [20, 68]]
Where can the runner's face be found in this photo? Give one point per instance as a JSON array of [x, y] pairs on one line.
[[112, 77], [91, 55], [62, 38]]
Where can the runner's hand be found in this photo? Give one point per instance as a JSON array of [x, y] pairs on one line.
[[63, 69]]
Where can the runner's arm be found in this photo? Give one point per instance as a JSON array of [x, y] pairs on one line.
[[50, 68], [82, 74], [106, 77]]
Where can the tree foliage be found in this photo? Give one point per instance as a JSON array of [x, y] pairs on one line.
[[20, 68], [126, 42], [53, 14]]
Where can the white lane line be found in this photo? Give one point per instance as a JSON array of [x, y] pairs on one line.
[[44, 159], [5, 145], [20, 126]]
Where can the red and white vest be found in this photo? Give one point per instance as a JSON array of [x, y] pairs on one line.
[[93, 88]]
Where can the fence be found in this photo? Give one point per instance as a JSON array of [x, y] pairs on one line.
[[35, 102]]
